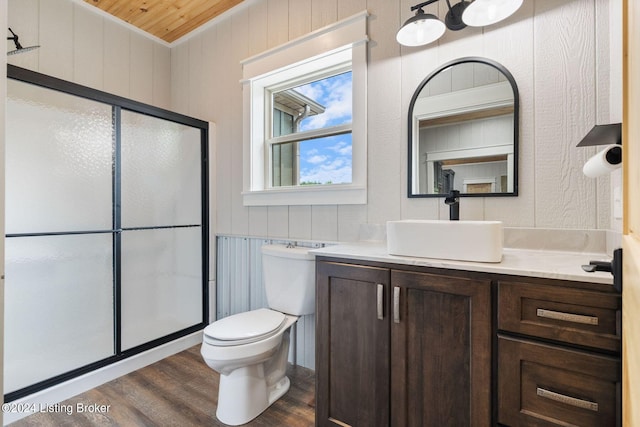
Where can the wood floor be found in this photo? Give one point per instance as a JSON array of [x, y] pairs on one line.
[[180, 390]]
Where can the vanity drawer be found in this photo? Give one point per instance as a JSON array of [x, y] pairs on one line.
[[567, 315], [547, 385]]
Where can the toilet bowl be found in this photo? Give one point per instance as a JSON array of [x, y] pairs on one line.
[[252, 367], [250, 349]]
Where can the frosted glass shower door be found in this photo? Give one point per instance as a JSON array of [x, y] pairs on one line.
[[59, 247], [106, 230], [59, 311], [59, 156], [162, 235]]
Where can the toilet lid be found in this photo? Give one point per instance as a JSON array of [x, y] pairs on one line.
[[244, 326]]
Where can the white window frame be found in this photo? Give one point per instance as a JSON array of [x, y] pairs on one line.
[[334, 46]]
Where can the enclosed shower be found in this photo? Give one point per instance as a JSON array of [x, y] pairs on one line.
[[106, 222]]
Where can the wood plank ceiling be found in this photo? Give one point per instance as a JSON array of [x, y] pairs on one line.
[[165, 19]]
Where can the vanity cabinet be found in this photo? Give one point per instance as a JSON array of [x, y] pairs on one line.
[[402, 345], [558, 355], [398, 347]]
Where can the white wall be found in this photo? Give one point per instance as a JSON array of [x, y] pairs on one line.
[[84, 47], [557, 50]]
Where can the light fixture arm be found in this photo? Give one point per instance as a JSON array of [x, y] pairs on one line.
[[449, 4], [423, 4], [453, 20]]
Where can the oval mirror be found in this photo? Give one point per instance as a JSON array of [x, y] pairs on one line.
[[463, 131]]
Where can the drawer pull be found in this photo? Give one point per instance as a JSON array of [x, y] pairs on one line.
[[557, 397], [379, 302], [567, 317]]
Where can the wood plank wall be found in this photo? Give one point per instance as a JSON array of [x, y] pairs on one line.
[[79, 45], [558, 51]]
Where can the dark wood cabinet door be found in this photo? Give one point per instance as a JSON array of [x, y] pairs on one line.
[[440, 350], [352, 345]]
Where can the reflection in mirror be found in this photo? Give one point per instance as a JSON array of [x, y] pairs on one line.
[[463, 131]]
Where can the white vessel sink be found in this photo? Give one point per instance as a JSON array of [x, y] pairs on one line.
[[455, 240]]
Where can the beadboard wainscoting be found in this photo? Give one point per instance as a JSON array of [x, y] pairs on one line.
[[240, 288]]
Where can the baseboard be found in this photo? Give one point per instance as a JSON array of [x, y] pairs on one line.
[[58, 393]]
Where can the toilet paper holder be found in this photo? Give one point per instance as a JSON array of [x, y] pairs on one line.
[[603, 135], [610, 158]]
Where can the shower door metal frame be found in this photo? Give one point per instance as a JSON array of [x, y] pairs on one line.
[[118, 103]]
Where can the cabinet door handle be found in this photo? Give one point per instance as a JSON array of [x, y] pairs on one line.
[[396, 304], [380, 301], [567, 317], [562, 398]]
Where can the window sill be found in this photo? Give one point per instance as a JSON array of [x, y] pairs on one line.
[[334, 195]]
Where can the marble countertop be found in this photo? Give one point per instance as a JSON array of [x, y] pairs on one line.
[[519, 262]]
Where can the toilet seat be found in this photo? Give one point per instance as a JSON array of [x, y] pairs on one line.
[[244, 328]]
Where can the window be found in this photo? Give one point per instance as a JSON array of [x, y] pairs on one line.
[[305, 128], [310, 140]]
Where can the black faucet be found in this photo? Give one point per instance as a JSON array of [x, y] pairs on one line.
[[453, 200]]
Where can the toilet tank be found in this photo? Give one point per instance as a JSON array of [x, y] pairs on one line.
[[289, 279]]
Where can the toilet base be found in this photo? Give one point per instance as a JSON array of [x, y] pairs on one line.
[[245, 394], [279, 389], [251, 383]]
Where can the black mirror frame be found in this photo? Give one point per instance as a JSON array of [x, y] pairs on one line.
[[516, 127]]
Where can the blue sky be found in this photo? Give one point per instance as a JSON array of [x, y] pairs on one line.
[[327, 159]]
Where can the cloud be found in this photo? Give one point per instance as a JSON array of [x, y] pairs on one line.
[[341, 148], [336, 170], [326, 160], [311, 90], [316, 159], [336, 164], [334, 93], [336, 176]]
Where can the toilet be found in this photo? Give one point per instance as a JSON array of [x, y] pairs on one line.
[[250, 349]]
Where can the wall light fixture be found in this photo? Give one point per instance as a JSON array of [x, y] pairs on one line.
[[424, 28]]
